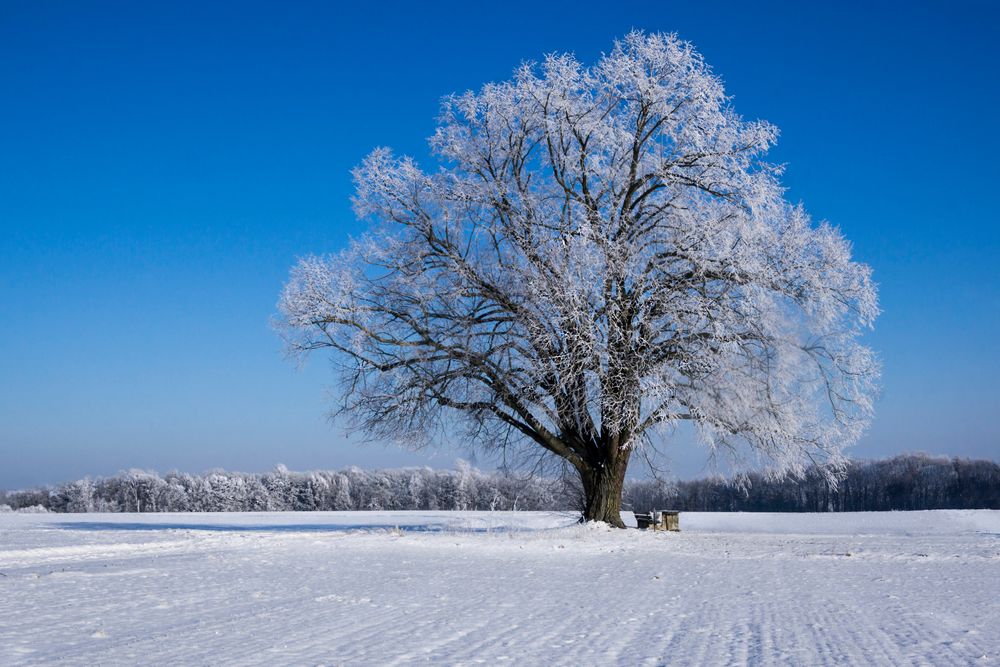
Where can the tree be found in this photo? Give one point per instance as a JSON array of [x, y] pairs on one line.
[[601, 254]]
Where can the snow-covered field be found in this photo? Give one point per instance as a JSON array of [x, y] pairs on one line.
[[518, 588]]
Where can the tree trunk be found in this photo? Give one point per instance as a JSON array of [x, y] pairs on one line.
[[602, 489]]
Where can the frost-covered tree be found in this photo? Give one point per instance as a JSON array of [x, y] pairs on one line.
[[600, 253]]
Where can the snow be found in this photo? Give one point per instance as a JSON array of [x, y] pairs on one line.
[[392, 588]]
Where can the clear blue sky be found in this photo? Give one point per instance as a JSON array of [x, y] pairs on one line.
[[162, 164]]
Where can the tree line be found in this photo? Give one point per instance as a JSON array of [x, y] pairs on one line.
[[907, 482], [465, 488]]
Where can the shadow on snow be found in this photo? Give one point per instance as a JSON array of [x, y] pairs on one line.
[[289, 528]]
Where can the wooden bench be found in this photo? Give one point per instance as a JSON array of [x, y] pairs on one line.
[[658, 520]]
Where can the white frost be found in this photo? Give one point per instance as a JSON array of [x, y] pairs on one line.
[[601, 252]]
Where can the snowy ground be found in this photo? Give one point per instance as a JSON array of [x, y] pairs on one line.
[[518, 588]]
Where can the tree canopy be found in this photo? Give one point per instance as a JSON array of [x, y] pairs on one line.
[[600, 253]]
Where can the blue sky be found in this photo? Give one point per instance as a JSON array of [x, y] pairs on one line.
[[163, 164]]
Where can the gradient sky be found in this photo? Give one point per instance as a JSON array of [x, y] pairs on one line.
[[162, 165]]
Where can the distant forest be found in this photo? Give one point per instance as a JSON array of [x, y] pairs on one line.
[[908, 482]]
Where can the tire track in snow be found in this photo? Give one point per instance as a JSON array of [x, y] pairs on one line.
[[567, 597]]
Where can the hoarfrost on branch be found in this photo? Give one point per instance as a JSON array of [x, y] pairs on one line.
[[601, 252]]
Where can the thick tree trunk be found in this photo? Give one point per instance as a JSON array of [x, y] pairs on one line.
[[602, 488]]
